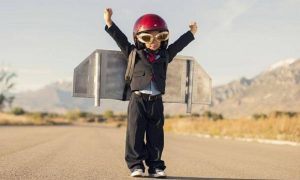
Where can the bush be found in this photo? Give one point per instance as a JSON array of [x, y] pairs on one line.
[[108, 114], [207, 114], [291, 114], [6, 84], [52, 115], [37, 117], [94, 118], [18, 111], [278, 114], [216, 117], [259, 116], [182, 116], [167, 116], [195, 115], [121, 117], [86, 114], [213, 116], [73, 115]]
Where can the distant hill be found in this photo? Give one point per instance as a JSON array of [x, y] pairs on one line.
[[277, 88], [57, 97]]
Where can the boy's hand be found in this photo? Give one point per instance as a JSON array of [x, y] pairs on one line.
[[193, 27], [107, 16]]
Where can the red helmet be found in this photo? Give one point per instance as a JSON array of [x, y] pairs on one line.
[[149, 22]]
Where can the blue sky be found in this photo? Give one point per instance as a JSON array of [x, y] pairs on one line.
[[43, 40]]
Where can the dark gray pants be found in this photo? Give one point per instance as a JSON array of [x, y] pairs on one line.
[[144, 117]]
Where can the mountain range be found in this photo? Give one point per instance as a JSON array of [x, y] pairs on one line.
[[275, 89]]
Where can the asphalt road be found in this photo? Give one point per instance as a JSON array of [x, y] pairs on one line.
[[97, 152]]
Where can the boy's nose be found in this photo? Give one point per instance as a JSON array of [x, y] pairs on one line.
[[155, 41]]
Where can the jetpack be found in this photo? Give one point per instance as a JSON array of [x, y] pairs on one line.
[[101, 76]]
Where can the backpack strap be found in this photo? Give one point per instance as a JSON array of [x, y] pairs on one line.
[[130, 65], [129, 72]]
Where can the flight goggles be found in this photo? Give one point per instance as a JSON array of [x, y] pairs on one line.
[[149, 38]]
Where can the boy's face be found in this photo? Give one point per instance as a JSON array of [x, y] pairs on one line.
[[155, 44], [153, 39]]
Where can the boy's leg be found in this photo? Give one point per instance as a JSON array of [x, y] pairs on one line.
[[155, 136], [135, 150]]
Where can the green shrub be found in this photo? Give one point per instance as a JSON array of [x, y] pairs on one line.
[[52, 115], [278, 114], [291, 114], [207, 114], [37, 117], [212, 115], [86, 114], [195, 115], [167, 116], [18, 111], [73, 115], [108, 114], [259, 116], [182, 116]]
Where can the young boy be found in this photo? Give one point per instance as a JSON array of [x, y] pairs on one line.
[[145, 109]]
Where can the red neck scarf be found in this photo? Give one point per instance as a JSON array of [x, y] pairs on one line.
[[151, 57]]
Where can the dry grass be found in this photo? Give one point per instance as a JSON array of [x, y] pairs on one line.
[[9, 119], [273, 126], [31, 119], [281, 128]]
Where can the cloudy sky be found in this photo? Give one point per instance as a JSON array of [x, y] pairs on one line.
[[43, 40]]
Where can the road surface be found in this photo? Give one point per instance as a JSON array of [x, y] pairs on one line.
[[97, 152]]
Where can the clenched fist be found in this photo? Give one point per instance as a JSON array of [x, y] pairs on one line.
[[193, 27], [107, 16]]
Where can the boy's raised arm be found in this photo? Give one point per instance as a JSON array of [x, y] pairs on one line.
[[107, 17], [116, 33], [182, 41], [193, 27]]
